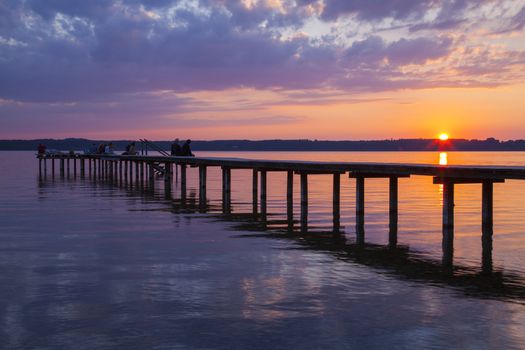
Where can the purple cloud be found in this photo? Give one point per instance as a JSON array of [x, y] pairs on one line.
[[71, 51]]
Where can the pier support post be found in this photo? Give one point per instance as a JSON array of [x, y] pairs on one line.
[[53, 166], [289, 199], [304, 202], [393, 211], [226, 189], [183, 181], [263, 194], [336, 202], [110, 170], [142, 173], [120, 172], [360, 209], [151, 176], [82, 167], [62, 166], [487, 198], [151, 172], [130, 172], [448, 222], [39, 166], [67, 165], [255, 190], [45, 165], [202, 185], [137, 175], [167, 178], [75, 166]]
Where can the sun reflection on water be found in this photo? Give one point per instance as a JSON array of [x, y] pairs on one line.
[[443, 158]]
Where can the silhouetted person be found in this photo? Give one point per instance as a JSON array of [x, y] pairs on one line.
[[41, 149], [101, 148], [93, 149], [175, 148], [109, 148], [130, 149], [186, 150]]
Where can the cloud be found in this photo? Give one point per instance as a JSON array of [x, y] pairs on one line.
[[61, 51], [247, 121], [514, 24], [376, 9]]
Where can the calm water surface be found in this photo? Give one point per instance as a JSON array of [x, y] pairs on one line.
[[89, 265]]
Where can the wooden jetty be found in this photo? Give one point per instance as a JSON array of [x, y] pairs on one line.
[[142, 169]]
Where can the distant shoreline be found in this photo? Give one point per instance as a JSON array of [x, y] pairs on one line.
[[401, 145]]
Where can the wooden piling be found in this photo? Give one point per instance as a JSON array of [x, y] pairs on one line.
[[62, 166], [360, 209], [304, 202], [167, 177], [183, 180], [393, 211], [130, 172], [255, 190], [289, 199], [487, 217], [151, 172], [448, 222], [263, 195], [202, 185], [336, 202], [226, 189]]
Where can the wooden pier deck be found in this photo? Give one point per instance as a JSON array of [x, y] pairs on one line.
[[142, 169]]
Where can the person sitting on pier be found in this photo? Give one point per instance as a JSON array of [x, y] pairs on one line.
[[92, 149], [130, 149], [175, 148], [109, 149], [101, 148], [186, 150], [41, 149]]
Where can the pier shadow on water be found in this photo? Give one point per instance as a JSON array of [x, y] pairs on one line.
[[399, 261]]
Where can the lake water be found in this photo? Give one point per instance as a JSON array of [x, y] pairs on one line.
[[89, 265]]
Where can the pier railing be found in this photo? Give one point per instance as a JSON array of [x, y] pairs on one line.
[[143, 169]]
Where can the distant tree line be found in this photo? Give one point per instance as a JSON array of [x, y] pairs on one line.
[[490, 144]]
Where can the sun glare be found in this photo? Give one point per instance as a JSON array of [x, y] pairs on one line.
[[443, 137]]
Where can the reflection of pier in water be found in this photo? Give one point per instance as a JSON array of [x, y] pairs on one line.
[[140, 172], [399, 261]]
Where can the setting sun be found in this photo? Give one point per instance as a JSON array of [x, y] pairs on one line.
[[443, 137]]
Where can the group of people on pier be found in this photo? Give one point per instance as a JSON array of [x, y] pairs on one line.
[[184, 151], [103, 148]]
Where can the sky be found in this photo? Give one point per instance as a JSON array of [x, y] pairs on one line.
[[262, 69]]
